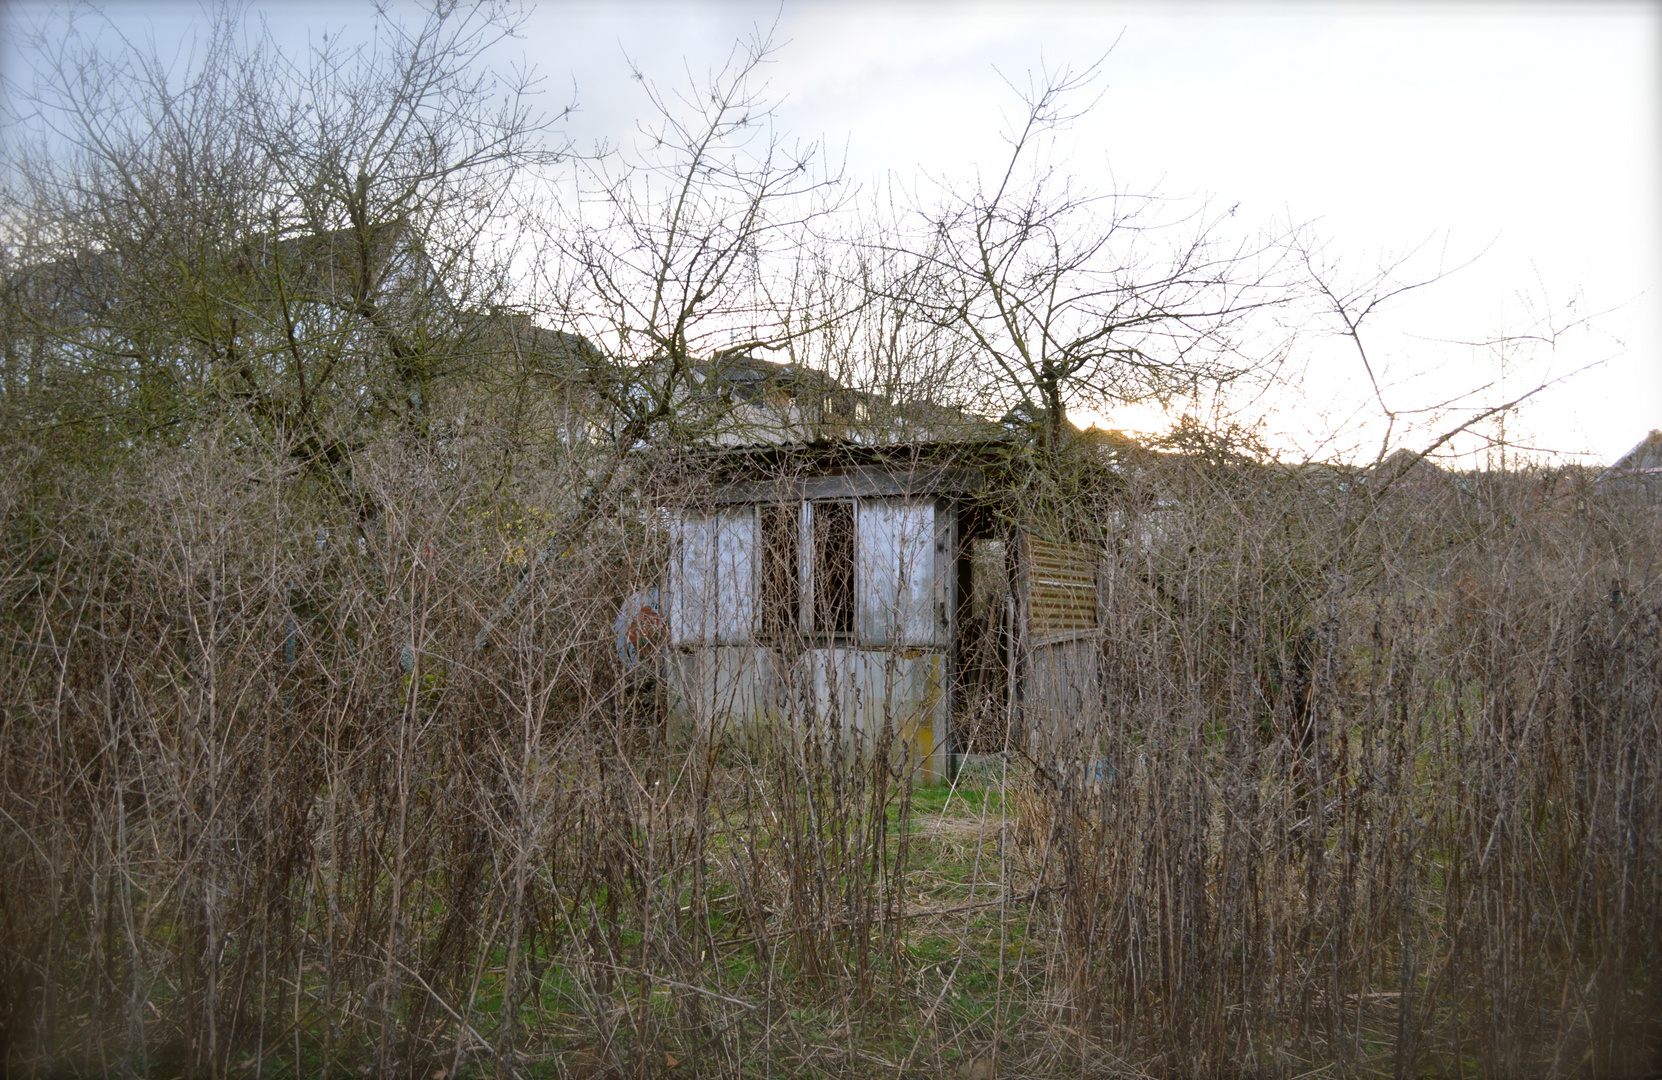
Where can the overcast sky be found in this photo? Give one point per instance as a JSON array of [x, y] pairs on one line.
[[1530, 133]]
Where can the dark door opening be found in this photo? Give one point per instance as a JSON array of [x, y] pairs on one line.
[[981, 683]]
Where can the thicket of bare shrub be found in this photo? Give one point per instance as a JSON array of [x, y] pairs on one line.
[[1373, 786], [317, 757], [1387, 782]]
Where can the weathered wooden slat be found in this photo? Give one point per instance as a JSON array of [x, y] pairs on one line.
[[860, 482], [1061, 589]]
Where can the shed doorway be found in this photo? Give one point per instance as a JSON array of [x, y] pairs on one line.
[[983, 711]]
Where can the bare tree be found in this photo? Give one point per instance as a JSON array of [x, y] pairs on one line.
[[1347, 305], [297, 246], [675, 256], [683, 248], [1069, 296]]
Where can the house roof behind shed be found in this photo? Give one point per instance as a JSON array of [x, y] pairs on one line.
[[1645, 458]]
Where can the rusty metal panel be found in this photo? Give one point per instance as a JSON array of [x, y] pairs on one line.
[[895, 573]]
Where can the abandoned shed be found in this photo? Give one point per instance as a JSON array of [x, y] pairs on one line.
[[876, 591]]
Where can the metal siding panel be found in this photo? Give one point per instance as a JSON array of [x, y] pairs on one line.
[[895, 572], [735, 578], [918, 537], [832, 677], [714, 686], [1062, 699], [836, 693], [692, 581], [805, 567], [873, 572]]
